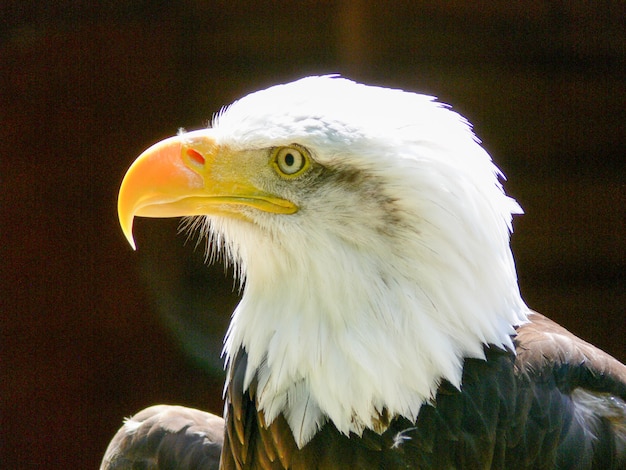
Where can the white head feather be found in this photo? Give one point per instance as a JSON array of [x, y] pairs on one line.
[[395, 268]]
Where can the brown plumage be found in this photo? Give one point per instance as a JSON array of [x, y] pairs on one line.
[[558, 403], [167, 437]]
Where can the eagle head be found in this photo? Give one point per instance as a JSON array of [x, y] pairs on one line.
[[371, 235]]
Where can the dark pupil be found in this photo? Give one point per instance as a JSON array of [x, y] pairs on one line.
[[289, 159]]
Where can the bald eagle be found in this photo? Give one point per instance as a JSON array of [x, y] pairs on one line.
[[381, 323]]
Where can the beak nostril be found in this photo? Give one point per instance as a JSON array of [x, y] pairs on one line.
[[195, 156]]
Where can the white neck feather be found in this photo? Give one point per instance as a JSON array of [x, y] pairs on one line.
[[343, 334]]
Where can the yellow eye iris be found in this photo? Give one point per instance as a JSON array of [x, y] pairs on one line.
[[290, 161]]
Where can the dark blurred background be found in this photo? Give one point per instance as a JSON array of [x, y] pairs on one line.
[[93, 332]]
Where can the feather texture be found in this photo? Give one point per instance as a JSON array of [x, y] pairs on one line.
[[521, 411], [395, 221], [167, 437], [381, 323]]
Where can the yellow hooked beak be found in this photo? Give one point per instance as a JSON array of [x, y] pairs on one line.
[[190, 174]]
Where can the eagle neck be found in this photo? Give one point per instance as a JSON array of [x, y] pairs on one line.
[[371, 338]]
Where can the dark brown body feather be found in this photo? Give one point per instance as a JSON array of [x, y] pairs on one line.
[[559, 403], [513, 412], [167, 437]]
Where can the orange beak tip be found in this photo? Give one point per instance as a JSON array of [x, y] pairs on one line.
[[127, 229]]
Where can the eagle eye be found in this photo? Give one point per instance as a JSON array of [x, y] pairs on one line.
[[290, 161]]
